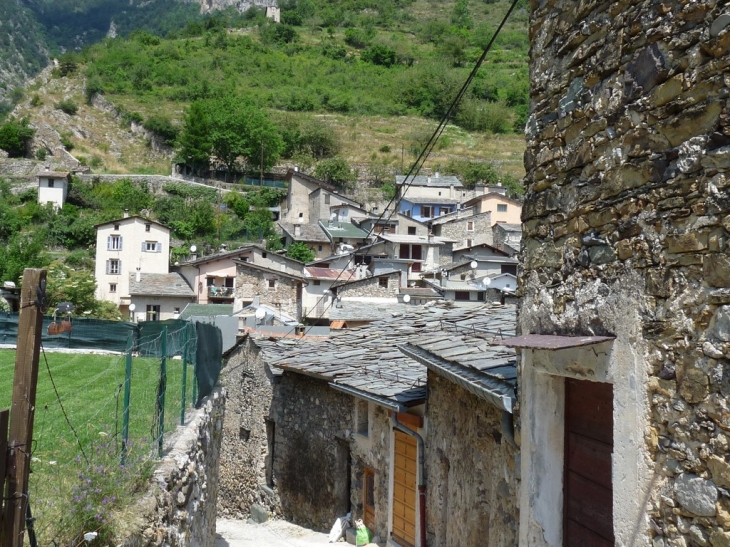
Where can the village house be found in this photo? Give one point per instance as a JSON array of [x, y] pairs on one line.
[[317, 296], [322, 427], [434, 187], [158, 296], [424, 252], [344, 236], [465, 227], [308, 199], [625, 278], [507, 237], [502, 208], [278, 289], [489, 260], [311, 235], [53, 187], [213, 277], [126, 248]]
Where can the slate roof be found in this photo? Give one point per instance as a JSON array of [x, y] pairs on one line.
[[462, 352], [366, 360], [54, 174], [418, 240], [360, 310], [343, 229], [159, 284], [432, 182], [132, 217], [507, 227], [309, 232], [428, 201], [329, 274], [206, 310]]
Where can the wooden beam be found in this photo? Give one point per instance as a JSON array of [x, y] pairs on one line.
[[30, 324]]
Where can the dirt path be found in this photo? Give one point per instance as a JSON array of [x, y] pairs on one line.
[[275, 533]]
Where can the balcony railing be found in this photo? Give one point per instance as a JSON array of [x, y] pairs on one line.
[[220, 292]]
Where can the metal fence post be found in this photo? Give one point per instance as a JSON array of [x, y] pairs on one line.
[[127, 392], [161, 393], [195, 375], [184, 375]]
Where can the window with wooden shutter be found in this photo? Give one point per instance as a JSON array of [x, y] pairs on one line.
[[114, 243]]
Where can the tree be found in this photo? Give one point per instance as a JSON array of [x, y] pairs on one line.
[[14, 137], [194, 146], [379, 55], [299, 251], [335, 171], [22, 251]]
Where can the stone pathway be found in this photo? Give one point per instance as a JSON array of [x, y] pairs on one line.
[[275, 533]]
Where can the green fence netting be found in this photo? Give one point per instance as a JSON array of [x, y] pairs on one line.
[[208, 357]]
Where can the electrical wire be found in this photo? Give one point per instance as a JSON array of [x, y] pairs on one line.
[[427, 149]]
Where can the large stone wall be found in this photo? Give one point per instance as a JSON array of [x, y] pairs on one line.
[[251, 282], [312, 451], [179, 509], [245, 448], [370, 287], [625, 233], [473, 473]]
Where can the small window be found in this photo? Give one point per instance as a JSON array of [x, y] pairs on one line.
[[301, 215], [316, 282], [116, 227], [210, 281], [153, 312], [470, 226], [501, 208], [439, 193], [147, 227], [363, 425], [264, 255], [152, 247], [480, 296], [426, 211], [177, 310], [113, 266], [411, 230], [383, 282], [319, 248], [272, 283], [468, 242], [228, 283], [461, 295], [326, 199], [408, 213], [112, 287], [114, 243], [51, 183]]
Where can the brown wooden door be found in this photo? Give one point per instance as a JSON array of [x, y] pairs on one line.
[[404, 490], [588, 511]]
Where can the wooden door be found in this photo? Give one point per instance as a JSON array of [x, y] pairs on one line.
[[588, 510], [404, 490]]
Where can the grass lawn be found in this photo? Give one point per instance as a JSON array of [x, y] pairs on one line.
[[91, 391]]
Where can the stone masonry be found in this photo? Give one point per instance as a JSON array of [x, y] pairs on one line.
[[626, 227], [473, 474], [283, 296], [179, 510], [370, 287]]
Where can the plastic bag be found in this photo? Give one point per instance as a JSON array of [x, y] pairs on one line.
[[338, 528], [363, 534]]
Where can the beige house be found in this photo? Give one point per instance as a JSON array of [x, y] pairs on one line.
[[53, 188], [423, 252], [124, 247], [502, 208], [158, 296]]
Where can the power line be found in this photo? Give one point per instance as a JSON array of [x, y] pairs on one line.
[[428, 148]]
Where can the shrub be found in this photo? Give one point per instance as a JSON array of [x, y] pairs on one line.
[[335, 171], [67, 143], [14, 137], [67, 106], [384, 149], [41, 154], [299, 251], [379, 55], [35, 100], [163, 127]]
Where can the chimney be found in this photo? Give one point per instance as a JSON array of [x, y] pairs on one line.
[[126, 213], [428, 180], [224, 247], [296, 168], [138, 276], [297, 230], [436, 174]]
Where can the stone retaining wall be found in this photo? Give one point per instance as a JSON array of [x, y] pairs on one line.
[[179, 509]]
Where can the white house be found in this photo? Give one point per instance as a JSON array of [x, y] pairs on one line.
[[129, 245], [53, 188]]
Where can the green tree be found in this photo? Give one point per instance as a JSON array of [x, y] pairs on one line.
[[299, 251], [194, 145], [14, 137], [335, 171], [22, 251]]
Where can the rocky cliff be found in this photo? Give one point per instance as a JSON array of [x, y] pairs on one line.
[[207, 6]]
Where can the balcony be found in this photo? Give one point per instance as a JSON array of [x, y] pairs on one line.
[[220, 293]]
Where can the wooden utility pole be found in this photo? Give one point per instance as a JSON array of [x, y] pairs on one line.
[[30, 324]]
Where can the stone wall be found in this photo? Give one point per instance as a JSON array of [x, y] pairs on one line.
[[370, 287], [473, 483], [179, 510], [251, 282], [245, 448], [625, 233], [458, 229], [312, 450]]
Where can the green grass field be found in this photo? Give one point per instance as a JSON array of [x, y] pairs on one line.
[[90, 388]]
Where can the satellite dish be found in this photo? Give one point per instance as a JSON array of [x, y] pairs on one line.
[[132, 307], [474, 264], [333, 216], [193, 248], [412, 284], [487, 282], [260, 313], [406, 298]]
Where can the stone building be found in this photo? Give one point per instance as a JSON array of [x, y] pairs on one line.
[[465, 227], [280, 290], [626, 268]]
